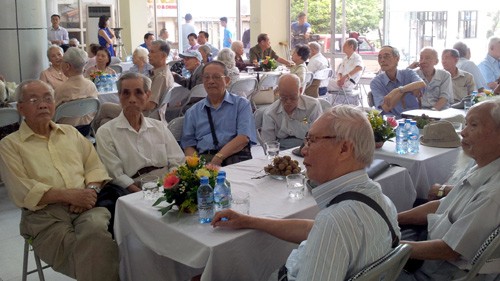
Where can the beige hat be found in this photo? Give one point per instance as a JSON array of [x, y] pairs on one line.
[[440, 134]]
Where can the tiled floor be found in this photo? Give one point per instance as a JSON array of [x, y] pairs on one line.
[[12, 245]]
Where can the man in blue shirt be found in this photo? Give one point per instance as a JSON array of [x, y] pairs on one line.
[[394, 90], [490, 66], [148, 40], [301, 30], [233, 123], [227, 34]]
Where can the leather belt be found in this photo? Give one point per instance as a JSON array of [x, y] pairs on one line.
[[145, 170]]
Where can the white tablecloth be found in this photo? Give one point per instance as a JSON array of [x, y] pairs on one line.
[[108, 97], [176, 247], [431, 165], [447, 113]]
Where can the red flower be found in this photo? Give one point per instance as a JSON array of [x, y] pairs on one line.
[[170, 181]]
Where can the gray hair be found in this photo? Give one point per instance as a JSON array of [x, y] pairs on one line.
[[236, 44], [164, 46], [76, 57], [462, 49], [453, 52], [142, 53], [226, 56], [434, 52], [20, 90], [353, 43], [395, 51], [205, 49], [495, 109], [314, 46], [74, 41], [146, 82], [351, 124], [216, 62], [493, 40], [54, 47]]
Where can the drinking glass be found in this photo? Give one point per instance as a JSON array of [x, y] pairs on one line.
[[295, 184], [467, 105], [272, 149], [149, 185], [250, 69], [240, 202]]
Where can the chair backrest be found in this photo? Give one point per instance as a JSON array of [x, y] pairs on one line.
[[198, 91], [309, 78], [77, 108], [386, 268], [175, 127], [9, 116], [117, 68], [244, 88], [324, 104], [371, 101], [176, 95], [489, 250], [268, 80], [323, 74]]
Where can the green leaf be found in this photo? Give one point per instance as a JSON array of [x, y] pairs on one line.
[[165, 210], [161, 199]]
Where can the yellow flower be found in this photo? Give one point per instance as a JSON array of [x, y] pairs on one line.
[[203, 173], [192, 161]]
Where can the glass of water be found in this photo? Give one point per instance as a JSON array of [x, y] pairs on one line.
[[149, 185], [295, 185], [272, 149], [467, 104], [240, 202]]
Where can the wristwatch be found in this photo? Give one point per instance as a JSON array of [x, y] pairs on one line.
[[95, 187], [219, 155], [440, 193]]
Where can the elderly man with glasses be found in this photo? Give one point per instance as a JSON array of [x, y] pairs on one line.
[[346, 236], [54, 174], [288, 119], [220, 126]]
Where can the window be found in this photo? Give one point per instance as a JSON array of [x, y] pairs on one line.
[[467, 24], [433, 23]]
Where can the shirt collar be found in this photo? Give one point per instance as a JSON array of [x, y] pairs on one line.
[[122, 123], [301, 105], [479, 176], [227, 98], [26, 132], [325, 192]]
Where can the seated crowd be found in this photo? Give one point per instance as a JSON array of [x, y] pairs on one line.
[[65, 203]]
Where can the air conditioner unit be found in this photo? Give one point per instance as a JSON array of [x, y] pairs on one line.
[[93, 14]]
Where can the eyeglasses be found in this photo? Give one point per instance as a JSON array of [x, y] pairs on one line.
[[207, 77], [285, 99], [313, 139], [37, 101]]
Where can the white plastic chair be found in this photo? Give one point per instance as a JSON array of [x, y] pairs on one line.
[[386, 268], [324, 104], [490, 249], [78, 108], [309, 78], [175, 126], [244, 88], [355, 92], [323, 74], [9, 116], [117, 68], [268, 80], [198, 91]]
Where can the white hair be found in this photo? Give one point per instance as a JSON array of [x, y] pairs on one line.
[[226, 56], [142, 53], [76, 57]]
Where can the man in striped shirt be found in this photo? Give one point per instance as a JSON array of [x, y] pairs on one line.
[[344, 237]]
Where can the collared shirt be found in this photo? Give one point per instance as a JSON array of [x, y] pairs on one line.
[[316, 63], [469, 66], [490, 68], [346, 236], [257, 54], [76, 87], [186, 29], [463, 85], [464, 218], [32, 164], [161, 81], [346, 66], [58, 34], [300, 70], [277, 124], [439, 87], [52, 76], [145, 70], [124, 151], [232, 118], [381, 85], [191, 81]]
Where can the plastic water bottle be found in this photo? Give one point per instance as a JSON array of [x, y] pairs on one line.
[[205, 201], [413, 138], [401, 139], [98, 83], [226, 183], [109, 83], [221, 195], [114, 79]]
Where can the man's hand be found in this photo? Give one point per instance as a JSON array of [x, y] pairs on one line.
[[133, 188], [231, 219], [341, 81], [83, 198], [77, 210]]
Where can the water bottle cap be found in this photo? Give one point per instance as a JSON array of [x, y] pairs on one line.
[[408, 121], [204, 180], [220, 179], [222, 173], [401, 124]]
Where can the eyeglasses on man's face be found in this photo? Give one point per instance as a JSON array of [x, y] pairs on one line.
[[216, 77], [37, 101], [308, 140]]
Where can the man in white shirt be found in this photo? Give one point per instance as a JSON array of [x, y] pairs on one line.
[[349, 70], [464, 63], [131, 145], [317, 62], [56, 34], [187, 28]]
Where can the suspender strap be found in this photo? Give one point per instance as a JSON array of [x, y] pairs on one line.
[[212, 128], [356, 196]]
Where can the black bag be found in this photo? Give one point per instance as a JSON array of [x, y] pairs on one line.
[[107, 199]]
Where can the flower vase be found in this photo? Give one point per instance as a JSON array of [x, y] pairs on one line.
[[379, 144]]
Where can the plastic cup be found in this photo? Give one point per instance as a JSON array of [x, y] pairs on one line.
[[272, 149], [149, 185], [295, 185], [467, 105], [240, 202]]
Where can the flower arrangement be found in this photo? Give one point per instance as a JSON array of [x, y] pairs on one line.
[[180, 186], [382, 129], [423, 120], [482, 96], [269, 63], [93, 75]]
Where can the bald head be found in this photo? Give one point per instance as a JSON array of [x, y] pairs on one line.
[[289, 91]]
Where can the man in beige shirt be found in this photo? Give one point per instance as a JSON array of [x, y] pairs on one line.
[[54, 174]]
